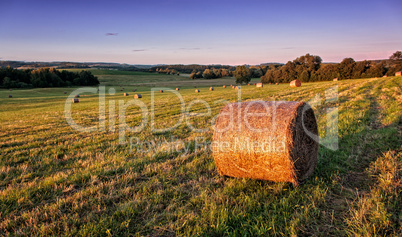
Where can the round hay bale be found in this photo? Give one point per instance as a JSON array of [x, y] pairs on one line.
[[160, 91], [237, 87], [177, 89], [76, 100], [211, 88], [10, 96], [77, 96], [335, 79], [266, 140], [137, 96], [224, 86], [277, 83], [197, 91], [134, 90], [121, 90], [65, 92], [126, 94], [259, 85], [295, 83]]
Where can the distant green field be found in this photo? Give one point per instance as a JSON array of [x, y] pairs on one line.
[[57, 181], [129, 78]]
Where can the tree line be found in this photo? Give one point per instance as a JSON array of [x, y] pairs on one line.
[[190, 68], [45, 77], [310, 68]]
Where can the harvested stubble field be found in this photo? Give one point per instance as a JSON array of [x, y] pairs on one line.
[[57, 181]]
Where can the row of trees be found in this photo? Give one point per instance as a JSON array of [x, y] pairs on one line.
[[45, 77], [190, 68], [211, 73], [167, 71], [310, 68]]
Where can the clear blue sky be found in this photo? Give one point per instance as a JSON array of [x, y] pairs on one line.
[[203, 32]]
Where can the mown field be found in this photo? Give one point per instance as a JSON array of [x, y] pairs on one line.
[[57, 181]]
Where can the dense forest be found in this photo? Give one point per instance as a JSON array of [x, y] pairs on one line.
[[310, 68], [44, 77]]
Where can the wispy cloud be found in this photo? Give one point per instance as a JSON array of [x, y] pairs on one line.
[[139, 50], [111, 34], [189, 48], [288, 48]]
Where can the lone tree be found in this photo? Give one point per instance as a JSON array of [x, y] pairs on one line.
[[397, 56], [242, 74]]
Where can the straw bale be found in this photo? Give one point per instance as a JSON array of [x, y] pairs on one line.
[[266, 140], [137, 96], [259, 85], [295, 83]]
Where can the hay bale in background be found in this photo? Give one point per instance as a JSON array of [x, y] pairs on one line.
[[224, 86], [126, 94], [266, 140], [335, 79], [259, 85], [76, 100], [398, 74], [237, 87], [177, 89], [277, 83], [137, 96], [160, 91], [10, 96], [134, 90], [211, 88], [77, 96], [295, 83], [385, 76], [197, 91]]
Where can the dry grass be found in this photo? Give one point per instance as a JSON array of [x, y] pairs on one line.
[[57, 181]]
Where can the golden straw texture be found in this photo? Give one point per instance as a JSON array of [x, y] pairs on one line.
[[267, 140]]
